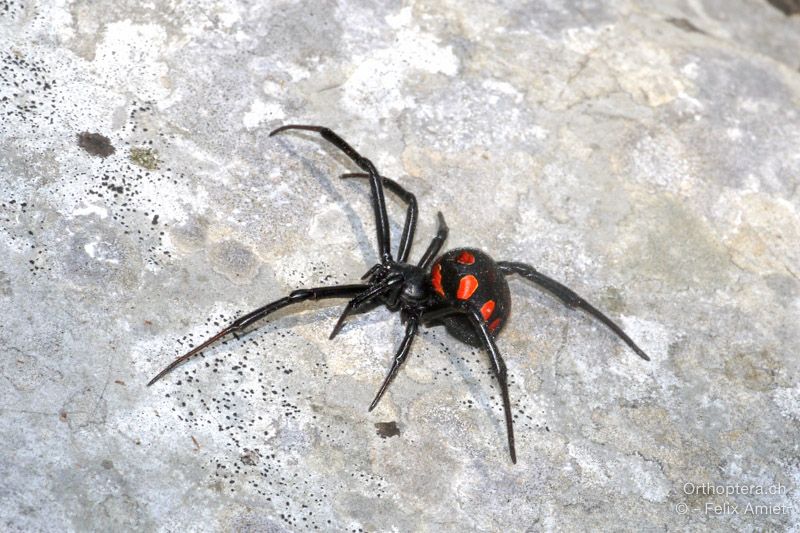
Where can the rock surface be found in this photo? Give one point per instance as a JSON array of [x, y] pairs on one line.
[[645, 153]]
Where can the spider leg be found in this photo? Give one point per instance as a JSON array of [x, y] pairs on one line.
[[499, 368], [568, 297], [435, 313], [238, 325], [436, 243], [410, 225], [376, 183], [399, 358], [371, 292], [372, 270]]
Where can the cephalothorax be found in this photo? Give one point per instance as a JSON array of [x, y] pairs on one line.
[[464, 289]]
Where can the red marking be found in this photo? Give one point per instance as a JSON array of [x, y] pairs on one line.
[[466, 287], [436, 278], [466, 258], [487, 309], [493, 326]]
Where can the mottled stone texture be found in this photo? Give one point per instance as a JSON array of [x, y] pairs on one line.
[[645, 153]]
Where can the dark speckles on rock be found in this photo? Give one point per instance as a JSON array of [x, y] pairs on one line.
[[96, 144], [387, 429], [234, 260], [251, 457], [255, 521]]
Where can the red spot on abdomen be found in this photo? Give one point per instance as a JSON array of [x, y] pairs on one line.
[[436, 278], [466, 258], [493, 325], [487, 309], [466, 287]]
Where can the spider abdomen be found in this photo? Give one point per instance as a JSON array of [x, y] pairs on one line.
[[466, 276]]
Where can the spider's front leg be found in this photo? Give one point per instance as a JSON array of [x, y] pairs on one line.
[[375, 181], [372, 291], [241, 323], [436, 243]]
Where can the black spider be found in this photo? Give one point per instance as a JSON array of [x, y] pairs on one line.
[[464, 289]]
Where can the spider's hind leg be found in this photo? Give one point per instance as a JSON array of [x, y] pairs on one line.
[[500, 372], [568, 297]]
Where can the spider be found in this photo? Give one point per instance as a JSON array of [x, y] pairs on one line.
[[464, 289]]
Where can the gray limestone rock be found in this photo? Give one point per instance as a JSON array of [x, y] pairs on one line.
[[644, 153]]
